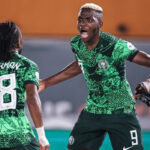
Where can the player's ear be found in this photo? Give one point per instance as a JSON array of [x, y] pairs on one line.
[[100, 24], [18, 45]]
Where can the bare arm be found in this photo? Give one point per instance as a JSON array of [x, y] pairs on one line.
[[68, 72], [34, 105], [142, 58]]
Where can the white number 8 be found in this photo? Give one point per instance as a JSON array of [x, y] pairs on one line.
[[8, 90]]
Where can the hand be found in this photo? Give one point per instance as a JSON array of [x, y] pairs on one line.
[[44, 144], [44, 147], [41, 85], [138, 91], [142, 92]]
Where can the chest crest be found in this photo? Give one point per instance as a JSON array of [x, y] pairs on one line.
[[103, 64]]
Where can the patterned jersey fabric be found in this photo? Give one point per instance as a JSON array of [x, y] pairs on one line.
[[104, 71], [15, 128]]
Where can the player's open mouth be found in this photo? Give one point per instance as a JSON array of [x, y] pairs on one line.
[[83, 33]]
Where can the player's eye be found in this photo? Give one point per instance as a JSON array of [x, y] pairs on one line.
[[85, 20], [80, 19], [89, 20]]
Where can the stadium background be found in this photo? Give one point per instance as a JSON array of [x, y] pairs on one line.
[[47, 28]]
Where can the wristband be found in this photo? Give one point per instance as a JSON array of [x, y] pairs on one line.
[[40, 131], [41, 135]]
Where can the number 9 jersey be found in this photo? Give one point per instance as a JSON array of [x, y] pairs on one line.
[[15, 128]]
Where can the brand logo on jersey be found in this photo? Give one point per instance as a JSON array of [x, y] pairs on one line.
[[127, 148], [103, 64], [130, 46], [71, 140]]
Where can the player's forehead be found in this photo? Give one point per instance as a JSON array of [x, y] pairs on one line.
[[86, 13]]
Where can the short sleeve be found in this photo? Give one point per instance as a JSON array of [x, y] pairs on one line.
[[124, 50], [73, 50], [74, 43], [32, 75]]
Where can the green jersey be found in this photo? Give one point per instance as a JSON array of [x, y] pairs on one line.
[[104, 71], [15, 129]]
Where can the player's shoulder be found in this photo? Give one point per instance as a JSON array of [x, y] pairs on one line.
[[108, 37], [76, 38], [26, 61], [76, 43], [124, 43]]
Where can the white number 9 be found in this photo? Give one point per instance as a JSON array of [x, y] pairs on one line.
[[134, 137]]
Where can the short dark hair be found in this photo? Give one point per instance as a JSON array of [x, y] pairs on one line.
[[9, 36]]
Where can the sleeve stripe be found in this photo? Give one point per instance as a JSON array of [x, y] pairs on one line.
[[132, 56], [31, 82]]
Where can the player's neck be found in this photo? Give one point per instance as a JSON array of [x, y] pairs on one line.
[[93, 43], [15, 50]]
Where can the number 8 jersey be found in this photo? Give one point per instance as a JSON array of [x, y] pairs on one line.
[[15, 128]]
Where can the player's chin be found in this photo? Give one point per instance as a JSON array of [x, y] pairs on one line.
[[85, 39]]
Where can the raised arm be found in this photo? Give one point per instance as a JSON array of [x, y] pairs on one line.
[[142, 90], [142, 58], [34, 105], [68, 72]]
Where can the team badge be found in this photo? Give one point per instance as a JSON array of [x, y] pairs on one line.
[[103, 64], [71, 140], [130, 46]]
